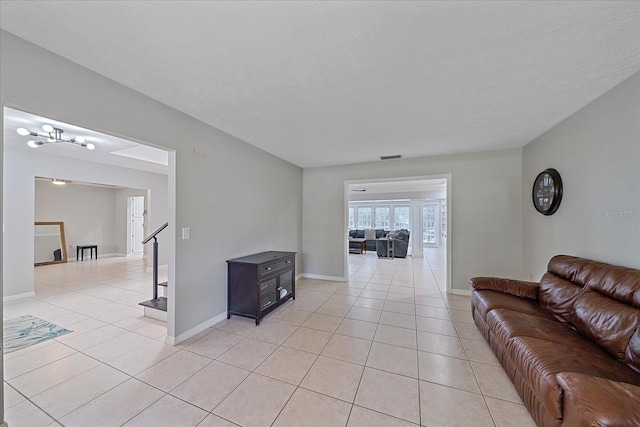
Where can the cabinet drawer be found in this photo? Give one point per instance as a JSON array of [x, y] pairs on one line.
[[269, 268]]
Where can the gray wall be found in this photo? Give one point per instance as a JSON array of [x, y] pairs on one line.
[[20, 168], [235, 198], [486, 211], [96, 214], [597, 152], [88, 214]]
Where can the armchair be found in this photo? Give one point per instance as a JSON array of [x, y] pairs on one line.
[[400, 244]]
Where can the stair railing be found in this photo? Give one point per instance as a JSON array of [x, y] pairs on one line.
[[155, 257]]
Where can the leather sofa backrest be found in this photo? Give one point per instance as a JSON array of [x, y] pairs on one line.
[[601, 301], [561, 286], [609, 313], [606, 321]]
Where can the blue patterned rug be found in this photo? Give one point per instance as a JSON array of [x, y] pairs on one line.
[[24, 331]]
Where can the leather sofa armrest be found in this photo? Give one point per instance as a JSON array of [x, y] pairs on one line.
[[593, 401], [518, 288]]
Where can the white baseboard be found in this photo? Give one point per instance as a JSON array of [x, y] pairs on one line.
[[323, 277], [195, 330], [155, 314], [19, 296], [88, 257], [460, 292]]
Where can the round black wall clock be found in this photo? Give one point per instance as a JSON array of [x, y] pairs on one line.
[[547, 191]]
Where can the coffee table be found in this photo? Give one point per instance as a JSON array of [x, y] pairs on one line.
[[362, 249]]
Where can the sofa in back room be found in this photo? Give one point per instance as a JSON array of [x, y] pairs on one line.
[[370, 243], [571, 343], [400, 244]]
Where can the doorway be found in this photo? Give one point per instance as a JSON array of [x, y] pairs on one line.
[[136, 224], [115, 164], [418, 204]]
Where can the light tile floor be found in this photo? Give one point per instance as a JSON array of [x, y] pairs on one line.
[[388, 348]]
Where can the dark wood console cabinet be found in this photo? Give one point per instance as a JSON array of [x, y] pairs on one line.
[[257, 284]]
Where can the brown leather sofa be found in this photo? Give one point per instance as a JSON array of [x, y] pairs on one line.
[[571, 343]]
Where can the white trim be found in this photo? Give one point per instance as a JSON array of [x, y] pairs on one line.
[[156, 314], [195, 330], [88, 257], [323, 277], [19, 296], [449, 285], [460, 292], [345, 219]]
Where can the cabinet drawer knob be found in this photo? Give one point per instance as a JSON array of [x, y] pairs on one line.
[[288, 261], [268, 268]]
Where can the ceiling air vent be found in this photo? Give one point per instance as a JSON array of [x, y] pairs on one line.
[[395, 156]]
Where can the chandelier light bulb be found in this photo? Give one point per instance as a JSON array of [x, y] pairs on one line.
[[54, 135]]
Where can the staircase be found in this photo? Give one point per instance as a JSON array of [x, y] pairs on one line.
[[156, 308]]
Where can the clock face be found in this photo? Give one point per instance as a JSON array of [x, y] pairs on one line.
[[547, 192]]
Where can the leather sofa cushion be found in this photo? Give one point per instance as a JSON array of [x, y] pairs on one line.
[[506, 324], [557, 295], [606, 321], [592, 401], [486, 300], [539, 361]]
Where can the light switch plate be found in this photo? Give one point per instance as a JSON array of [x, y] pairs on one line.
[[186, 233]]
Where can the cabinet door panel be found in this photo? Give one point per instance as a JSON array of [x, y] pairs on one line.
[[268, 293], [286, 283]]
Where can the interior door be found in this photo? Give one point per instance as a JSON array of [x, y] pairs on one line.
[[137, 223]]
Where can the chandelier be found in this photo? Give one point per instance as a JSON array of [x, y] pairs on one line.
[[53, 136]]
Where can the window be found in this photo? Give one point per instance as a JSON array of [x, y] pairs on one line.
[[381, 218], [382, 215], [352, 218], [364, 218], [401, 217]]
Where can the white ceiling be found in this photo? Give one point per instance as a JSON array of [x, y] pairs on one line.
[[109, 149], [325, 83]]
